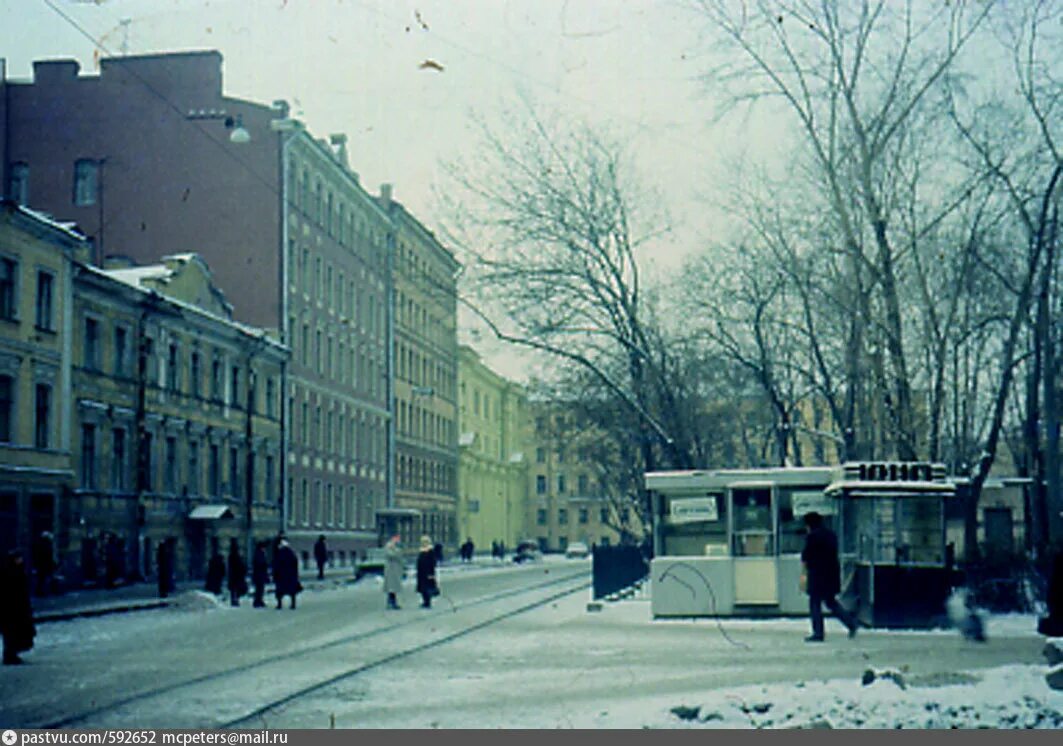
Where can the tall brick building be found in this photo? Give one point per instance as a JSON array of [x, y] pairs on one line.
[[150, 158]]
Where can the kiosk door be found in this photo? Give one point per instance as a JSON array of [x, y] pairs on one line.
[[753, 544]]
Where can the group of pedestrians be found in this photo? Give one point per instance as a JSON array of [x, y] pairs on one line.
[[395, 568], [232, 572]]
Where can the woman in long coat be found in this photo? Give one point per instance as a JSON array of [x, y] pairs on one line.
[[394, 567], [426, 573], [16, 612], [285, 573]]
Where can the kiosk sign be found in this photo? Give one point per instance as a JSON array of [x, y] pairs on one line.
[[692, 509], [806, 502]]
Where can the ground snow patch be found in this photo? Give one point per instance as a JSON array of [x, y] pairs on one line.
[[1006, 697]]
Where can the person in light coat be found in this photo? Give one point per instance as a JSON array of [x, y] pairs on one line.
[[394, 568]]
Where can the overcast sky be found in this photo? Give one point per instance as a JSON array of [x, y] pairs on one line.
[[354, 66]]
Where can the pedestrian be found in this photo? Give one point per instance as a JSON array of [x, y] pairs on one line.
[[260, 574], [823, 574], [215, 573], [44, 564], [285, 573], [320, 556], [237, 573], [164, 566], [16, 611], [426, 573], [394, 567], [502, 550], [494, 548]]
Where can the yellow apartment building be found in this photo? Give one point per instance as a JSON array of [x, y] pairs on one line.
[[492, 466]]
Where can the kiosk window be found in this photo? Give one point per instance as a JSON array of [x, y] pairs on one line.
[[753, 526], [696, 537]]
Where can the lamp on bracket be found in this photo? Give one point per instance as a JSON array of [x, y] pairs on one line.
[[238, 134]]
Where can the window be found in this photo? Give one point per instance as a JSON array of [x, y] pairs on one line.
[[215, 378], [562, 517], [474, 506], [88, 457], [169, 476], [234, 388], [330, 516], [8, 289], [540, 484], [306, 503], [267, 487], [149, 462], [172, 367], [42, 421], [271, 395], [45, 286], [560, 484], [540, 517], [583, 515], [92, 344], [7, 407], [194, 375], [234, 471], [583, 484], [304, 424], [560, 454], [18, 187], [214, 472], [118, 459], [540, 455], [193, 467], [603, 516], [86, 181], [120, 344]]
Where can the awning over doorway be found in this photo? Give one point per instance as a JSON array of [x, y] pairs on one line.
[[210, 512]]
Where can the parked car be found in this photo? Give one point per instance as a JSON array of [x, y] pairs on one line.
[[526, 551], [577, 549], [370, 564]]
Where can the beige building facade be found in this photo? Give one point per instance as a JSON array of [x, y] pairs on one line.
[[176, 419], [567, 500], [492, 467], [37, 257], [424, 378]]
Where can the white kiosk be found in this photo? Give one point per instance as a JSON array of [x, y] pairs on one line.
[[728, 542]]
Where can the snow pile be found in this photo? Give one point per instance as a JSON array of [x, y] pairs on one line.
[[1005, 697], [196, 601]]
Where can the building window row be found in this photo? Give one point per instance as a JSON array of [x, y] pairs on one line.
[[425, 475], [325, 504], [123, 470]]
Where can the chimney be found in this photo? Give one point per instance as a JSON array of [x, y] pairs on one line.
[[281, 107], [53, 71], [339, 148], [385, 195]]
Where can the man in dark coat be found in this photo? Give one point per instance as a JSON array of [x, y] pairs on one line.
[[237, 577], [285, 573], [164, 566], [16, 612], [823, 572], [320, 556], [260, 574], [215, 573], [426, 573]]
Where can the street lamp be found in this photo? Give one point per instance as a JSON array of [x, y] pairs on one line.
[[238, 133]]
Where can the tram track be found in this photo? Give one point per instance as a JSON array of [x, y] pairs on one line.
[[261, 711], [80, 719]]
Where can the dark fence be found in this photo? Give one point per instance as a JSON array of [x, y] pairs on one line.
[[615, 568]]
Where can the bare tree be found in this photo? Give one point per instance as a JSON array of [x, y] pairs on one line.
[[552, 224], [857, 77]]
